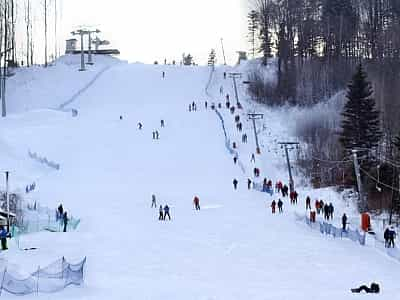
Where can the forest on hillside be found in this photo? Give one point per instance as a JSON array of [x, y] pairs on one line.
[[317, 46]]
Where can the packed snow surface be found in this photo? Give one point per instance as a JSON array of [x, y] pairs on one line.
[[233, 248]]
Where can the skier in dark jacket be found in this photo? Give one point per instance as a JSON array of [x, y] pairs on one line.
[[273, 205], [235, 183], [295, 196], [392, 236], [280, 205], [3, 237], [60, 211], [373, 289], [65, 221], [344, 222], [249, 183], [235, 159], [153, 201], [161, 214], [331, 209], [196, 202], [326, 211], [166, 212], [308, 203]]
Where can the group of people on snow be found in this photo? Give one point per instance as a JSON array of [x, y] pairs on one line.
[[193, 106], [389, 235]]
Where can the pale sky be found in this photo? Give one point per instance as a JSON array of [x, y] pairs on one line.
[[151, 30]]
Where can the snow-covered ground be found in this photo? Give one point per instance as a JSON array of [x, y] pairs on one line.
[[234, 248]]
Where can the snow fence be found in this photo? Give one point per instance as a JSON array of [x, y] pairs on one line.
[[329, 229], [44, 160], [228, 142], [53, 278]]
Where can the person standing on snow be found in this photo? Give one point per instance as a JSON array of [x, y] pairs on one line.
[[392, 236], [162, 123], [295, 195], [196, 202], [344, 222], [326, 211], [140, 126], [273, 205], [280, 205], [157, 135], [166, 213], [161, 214], [331, 209], [224, 75], [153, 201], [3, 237], [249, 183], [308, 203], [65, 221], [253, 158], [235, 183], [163, 74], [235, 159], [205, 104]]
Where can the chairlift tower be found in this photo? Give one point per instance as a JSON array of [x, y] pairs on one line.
[[286, 144]]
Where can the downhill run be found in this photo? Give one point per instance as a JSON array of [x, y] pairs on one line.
[[159, 164]]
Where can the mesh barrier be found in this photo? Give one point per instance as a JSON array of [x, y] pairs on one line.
[[38, 218], [261, 188], [53, 278], [329, 229]]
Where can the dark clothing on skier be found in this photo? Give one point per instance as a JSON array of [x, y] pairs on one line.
[[196, 202], [248, 184], [280, 204], [65, 221], [273, 205], [344, 222], [235, 183], [161, 215], [3, 237], [373, 289], [153, 201], [166, 212], [235, 159], [308, 202]]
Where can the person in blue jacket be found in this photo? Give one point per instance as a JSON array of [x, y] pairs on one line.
[[3, 237], [166, 212]]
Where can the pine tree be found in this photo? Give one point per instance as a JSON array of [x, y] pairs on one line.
[[265, 35], [361, 123], [212, 58]]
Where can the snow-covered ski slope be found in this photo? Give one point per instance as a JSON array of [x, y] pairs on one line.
[[232, 249]]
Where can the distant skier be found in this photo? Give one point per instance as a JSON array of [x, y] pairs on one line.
[[205, 104], [65, 221], [280, 205], [273, 205], [190, 107], [227, 104], [326, 211], [308, 203], [163, 74], [386, 237], [234, 145], [392, 236], [256, 172], [295, 196], [157, 135], [140, 126], [221, 90], [162, 123], [161, 214], [153, 201], [224, 75], [235, 159], [60, 212], [235, 183], [317, 207], [253, 158], [331, 209], [120, 117], [154, 135], [374, 289], [196, 202], [166, 212], [244, 138], [249, 183], [344, 222], [3, 237]]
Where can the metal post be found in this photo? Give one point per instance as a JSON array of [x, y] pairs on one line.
[[291, 182], [223, 51], [82, 55], [8, 203], [254, 117], [90, 62], [358, 176]]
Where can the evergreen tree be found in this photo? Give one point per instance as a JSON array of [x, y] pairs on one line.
[[265, 24], [212, 58], [361, 123]]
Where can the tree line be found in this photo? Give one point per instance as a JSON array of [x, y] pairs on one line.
[[319, 47]]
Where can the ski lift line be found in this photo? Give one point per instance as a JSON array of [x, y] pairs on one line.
[[333, 161], [390, 162], [379, 182]]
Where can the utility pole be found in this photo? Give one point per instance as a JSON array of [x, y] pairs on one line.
[[55, 31], [358, 176], [234, 76], [291, 181], [90, 62], [8, 203], [255, 117], [3, 78], [223, 51]]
